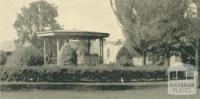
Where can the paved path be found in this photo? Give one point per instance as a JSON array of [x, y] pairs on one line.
[[154, 93], [86, 83]]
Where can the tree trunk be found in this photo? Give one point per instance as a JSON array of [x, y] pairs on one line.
[[197, 60], [166, 60], [197, 55], [154, 58], [144, 55], [168, 63]]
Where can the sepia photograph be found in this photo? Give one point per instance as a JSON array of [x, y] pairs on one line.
[[99, 49]]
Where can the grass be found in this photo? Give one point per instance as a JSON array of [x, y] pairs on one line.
[[18, 86], [154, 93]]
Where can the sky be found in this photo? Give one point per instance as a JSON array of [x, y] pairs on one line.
[[90, 15]]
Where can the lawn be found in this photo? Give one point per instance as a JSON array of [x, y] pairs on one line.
[[152, 93]]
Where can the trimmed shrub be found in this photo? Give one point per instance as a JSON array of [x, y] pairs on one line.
[[125, 61], [26, 56], [101, 73], [124, 57], [67, 55], [3, 57]]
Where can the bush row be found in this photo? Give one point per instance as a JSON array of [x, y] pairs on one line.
[[82, 73], [26, 56], [3, 57]]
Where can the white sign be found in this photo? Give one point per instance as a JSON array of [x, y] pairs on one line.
[[182, 87]]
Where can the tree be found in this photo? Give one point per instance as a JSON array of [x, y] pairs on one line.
[[190, 46], [38, 17], [192, 40], [145, 22]]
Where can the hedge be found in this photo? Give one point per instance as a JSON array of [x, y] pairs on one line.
[[82, 73], [3, 57]]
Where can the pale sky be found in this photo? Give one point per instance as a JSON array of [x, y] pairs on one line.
[[91, 15]]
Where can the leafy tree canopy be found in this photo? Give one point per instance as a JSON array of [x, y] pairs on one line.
[[145, 23], [38, 17]]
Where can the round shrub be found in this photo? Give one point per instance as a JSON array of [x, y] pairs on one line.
[[26, 56], [125, 61], [124, 57], [3, 57], [67, 55]]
